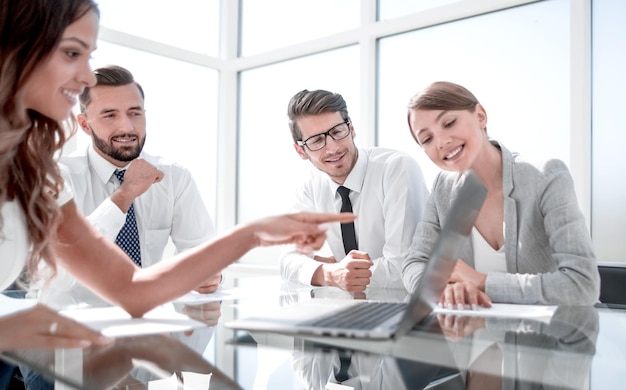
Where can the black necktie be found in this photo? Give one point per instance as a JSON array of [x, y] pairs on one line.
[[344, 361], [347, 229], [128, 237]]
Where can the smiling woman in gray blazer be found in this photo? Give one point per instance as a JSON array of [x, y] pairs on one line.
[[530, 243]]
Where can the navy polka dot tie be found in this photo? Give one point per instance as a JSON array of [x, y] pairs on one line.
[[128, 237]]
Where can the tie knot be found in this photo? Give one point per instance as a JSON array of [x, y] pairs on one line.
[[343, 192], [120, 175]]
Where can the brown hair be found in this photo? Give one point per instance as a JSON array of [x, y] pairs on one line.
[[442, 95], [112, 75], [30, 30], [315, 102]]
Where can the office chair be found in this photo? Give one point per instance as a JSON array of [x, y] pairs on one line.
[[612, 282]]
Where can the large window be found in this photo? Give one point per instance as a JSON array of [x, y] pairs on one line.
[[609, 171], [221, 72], [520, 75], [289, 22], [187, 24], [390, 9]]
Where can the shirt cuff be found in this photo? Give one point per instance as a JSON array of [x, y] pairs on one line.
[[306, 271], [108, 219]]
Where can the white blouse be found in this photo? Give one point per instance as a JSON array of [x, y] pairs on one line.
[[486, 259], [14, 242]]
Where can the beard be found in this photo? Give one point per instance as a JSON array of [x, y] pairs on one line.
[[123, 153]]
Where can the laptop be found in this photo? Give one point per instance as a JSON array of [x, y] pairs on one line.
[[382, 320]]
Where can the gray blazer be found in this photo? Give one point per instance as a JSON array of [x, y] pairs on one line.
[[549, 254]]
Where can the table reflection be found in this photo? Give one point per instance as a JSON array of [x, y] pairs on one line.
[[446, 352], [128, 361], [499, 353], [449, 352], [319, 366]]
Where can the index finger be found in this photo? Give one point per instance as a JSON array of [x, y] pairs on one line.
[[325, 217]]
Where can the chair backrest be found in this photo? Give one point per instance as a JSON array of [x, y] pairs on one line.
[[612, 283]]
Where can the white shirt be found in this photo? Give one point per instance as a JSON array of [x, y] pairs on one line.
[[15, 244], [172, 208], [388, 195]]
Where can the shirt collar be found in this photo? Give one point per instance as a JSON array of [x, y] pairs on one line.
[[355, 178], [103, 169]]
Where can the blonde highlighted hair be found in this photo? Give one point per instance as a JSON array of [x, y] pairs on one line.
[[29, 141]]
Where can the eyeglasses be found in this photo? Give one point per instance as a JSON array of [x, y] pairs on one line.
[[318, 141]]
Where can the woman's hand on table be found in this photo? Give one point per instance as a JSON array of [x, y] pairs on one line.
[[463, 295], [41, 327]]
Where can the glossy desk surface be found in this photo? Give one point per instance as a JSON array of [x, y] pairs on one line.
[[579, 348]]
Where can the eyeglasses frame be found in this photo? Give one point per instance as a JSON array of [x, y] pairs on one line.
[[325, 134]]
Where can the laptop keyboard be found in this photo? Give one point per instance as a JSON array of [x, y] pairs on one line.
[[366, 315]]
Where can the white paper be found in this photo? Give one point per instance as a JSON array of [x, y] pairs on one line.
[[221, 294], [115, 322], [537, 312]]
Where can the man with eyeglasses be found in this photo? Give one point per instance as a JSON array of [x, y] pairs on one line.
[[384, 187]]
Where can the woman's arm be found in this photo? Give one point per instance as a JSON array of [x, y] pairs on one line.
[[103, 267], [555, 263]]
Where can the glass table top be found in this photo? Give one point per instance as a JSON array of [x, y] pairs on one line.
[[578, 348]]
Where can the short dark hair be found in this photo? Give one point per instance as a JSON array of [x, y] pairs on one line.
[[112, 75], [315, 102]]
